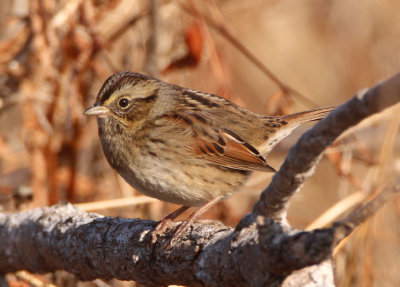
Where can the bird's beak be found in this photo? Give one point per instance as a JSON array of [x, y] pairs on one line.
[[96, 111]]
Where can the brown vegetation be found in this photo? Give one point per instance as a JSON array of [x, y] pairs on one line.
[[272, 57]]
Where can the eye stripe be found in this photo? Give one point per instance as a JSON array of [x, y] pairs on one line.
[[151, 98]]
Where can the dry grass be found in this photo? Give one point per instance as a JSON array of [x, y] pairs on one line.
[[54, 56]]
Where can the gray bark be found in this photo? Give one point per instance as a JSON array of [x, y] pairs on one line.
[[90, 246]]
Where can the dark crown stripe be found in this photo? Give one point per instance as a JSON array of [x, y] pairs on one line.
[[116, 81], [110, 89]]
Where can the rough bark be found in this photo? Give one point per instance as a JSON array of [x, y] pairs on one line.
[[263, 250], [90, 246]]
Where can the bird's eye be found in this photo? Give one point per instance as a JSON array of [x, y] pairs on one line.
[[123, 103]]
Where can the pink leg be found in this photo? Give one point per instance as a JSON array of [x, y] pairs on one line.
[[166, 222], [192, 218]]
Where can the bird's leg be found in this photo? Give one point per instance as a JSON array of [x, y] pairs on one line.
[[166, 222], [192, 218]]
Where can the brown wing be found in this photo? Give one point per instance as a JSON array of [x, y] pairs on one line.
[[234, 153], [222, 147]]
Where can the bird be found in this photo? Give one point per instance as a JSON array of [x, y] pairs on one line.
[[184, 146]]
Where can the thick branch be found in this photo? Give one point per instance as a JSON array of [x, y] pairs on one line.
[[91, 246], [304, 155], [261, 253]]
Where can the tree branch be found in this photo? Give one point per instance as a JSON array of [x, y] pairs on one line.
[[91, 246], [260, 251], [304, 155]]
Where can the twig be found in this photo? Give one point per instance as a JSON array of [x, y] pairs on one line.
[[220, 28], [337, 209], [113, 203], [345, 226]]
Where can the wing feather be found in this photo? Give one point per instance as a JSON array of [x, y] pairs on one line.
[[221, 147]]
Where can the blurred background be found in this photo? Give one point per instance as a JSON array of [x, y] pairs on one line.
[[272, 57]]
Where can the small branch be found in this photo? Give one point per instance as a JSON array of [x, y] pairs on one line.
[[220, 28], [115, 203], [344, 227], [305, 154]]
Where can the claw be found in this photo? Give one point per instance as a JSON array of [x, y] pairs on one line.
[[163, 225], [189, 221]]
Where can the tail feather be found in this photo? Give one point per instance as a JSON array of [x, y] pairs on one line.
[[307, 116], [292, 121]]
